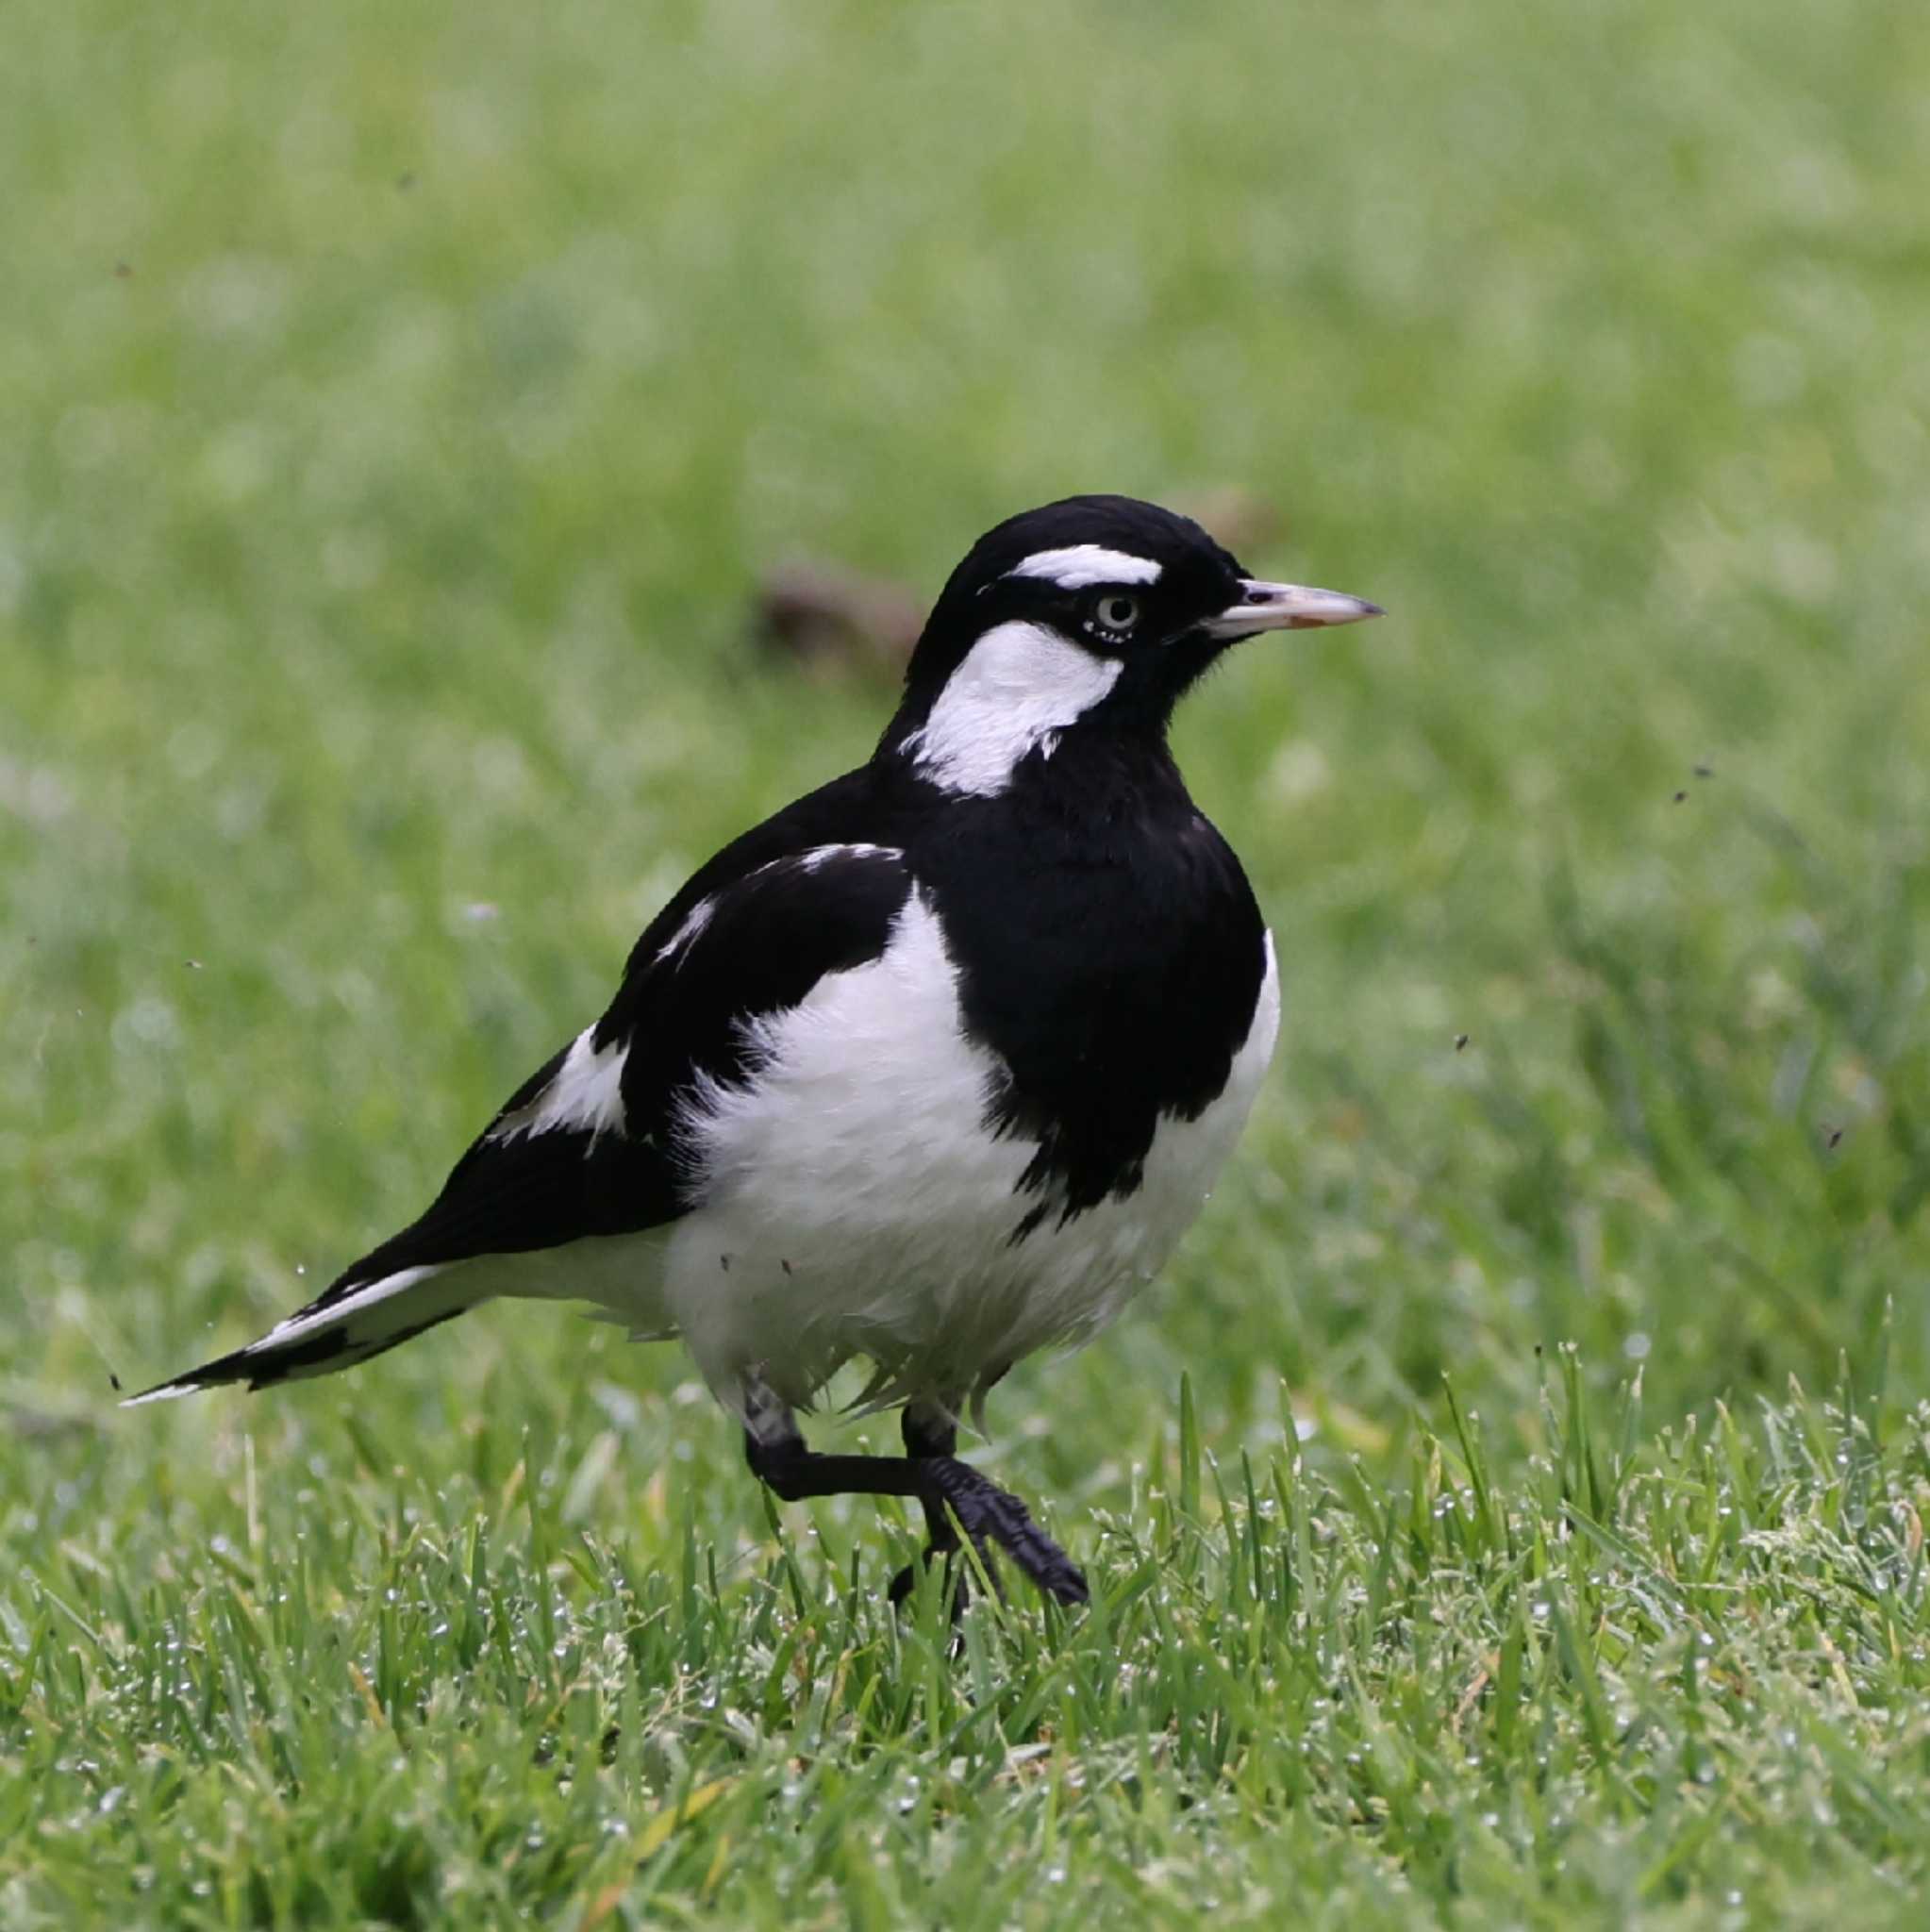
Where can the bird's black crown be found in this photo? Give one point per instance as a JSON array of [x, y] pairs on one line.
[[1187, 578]]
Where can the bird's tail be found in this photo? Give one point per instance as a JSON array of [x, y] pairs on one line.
[[360, 1315]]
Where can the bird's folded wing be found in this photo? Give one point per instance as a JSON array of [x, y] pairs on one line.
[[590, 1143]]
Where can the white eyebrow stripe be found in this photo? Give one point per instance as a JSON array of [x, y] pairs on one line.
[[1081, 565]]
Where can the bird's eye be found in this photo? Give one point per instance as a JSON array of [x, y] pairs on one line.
[[1117, 612]]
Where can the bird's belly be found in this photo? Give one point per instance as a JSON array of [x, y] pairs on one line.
[[854, 1202]]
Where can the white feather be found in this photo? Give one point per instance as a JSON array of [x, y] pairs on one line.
[[818, 856], [384, 1288], [168, 1392], [1081, 565], [856, 1204], [1018, 687], [695, 920], [586, 1093]]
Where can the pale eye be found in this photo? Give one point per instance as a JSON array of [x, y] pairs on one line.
[[1117, 612]]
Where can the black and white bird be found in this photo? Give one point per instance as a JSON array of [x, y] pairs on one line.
[[931, 1069]]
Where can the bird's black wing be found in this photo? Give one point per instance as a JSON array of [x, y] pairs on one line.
[[544, 1172], [587, 1146]]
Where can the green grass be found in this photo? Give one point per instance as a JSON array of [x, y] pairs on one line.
[[398, 406]]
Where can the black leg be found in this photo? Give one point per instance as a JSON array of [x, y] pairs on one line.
[[931, 1432], [778, 1456], [928, 1431], [794, 1472]]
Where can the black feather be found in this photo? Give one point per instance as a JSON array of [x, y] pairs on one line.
[[777, 928]]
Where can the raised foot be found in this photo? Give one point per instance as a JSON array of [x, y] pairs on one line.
[[988, 1514], [950, 1491]]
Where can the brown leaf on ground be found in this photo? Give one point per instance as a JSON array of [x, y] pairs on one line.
[[830, 618]]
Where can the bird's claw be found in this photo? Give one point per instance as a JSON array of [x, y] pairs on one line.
[[988, 1514]]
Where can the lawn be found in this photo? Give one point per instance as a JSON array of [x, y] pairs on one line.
[[1507, 1510]]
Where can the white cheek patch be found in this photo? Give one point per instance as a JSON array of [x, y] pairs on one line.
[[586, 1093], [1020, 686], [1081, 565]]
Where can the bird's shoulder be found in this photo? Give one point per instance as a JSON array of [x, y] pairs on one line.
[[814, 889], [808, 890]]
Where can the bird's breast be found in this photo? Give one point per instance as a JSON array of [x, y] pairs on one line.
[[870, 1191]]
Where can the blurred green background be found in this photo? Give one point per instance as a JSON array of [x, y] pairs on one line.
[[399, 405]]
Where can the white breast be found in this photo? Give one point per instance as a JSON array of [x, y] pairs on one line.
[[855, 1205]]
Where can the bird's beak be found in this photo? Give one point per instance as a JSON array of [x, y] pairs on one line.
[[1286, 606]]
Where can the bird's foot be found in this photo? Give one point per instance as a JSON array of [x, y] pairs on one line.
[[988, 1514], [950, 1491]]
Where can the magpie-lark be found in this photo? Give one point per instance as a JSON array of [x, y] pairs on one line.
[[933, 1068]]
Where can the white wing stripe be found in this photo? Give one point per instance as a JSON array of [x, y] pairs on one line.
[[586, 1093], [384, 1287]]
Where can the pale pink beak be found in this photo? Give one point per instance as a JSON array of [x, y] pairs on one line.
[[1287, 607]]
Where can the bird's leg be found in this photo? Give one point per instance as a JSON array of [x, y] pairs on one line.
[[932, 1432], [777, 1455], [794, 1472], [983, 1511]]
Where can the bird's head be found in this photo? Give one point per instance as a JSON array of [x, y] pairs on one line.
[[1093, 615]]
